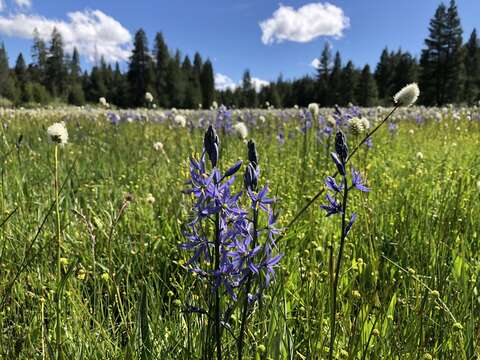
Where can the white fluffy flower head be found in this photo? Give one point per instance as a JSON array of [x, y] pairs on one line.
[[180, 120], [407, 96], [158, 146], [57, 133], [149, 97], [313, 108], [241, 130]]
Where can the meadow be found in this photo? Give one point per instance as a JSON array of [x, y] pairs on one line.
[[408, 287]]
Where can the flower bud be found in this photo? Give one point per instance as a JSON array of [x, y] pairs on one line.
[[210, 143], [341, 146]]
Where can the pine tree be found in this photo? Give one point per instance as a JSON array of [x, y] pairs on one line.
[[175, 82], [335, 81], [384, 74], [21, 76], [207, 83], [140, 72], [162, 58], [405, 72], [441, 61], [7, 83], [472, 69], [348, 84], [96, 87], [75, 69], [39, 55], [193, 95], [249, 94], [323, 74], [367, 94], [76, 95], [56, 72], [120, 87]]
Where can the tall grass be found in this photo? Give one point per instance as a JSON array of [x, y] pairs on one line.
[[410, 279]]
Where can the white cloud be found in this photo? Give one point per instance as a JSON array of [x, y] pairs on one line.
[[223, 82], [315, 63], [259, 83], [305, 24], [91, 31], [2, 5], [26, 4]]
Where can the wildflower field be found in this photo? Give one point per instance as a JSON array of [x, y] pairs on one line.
[[151, 252]]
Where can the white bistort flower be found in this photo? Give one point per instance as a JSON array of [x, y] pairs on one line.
[[103, 102], [365, 123], [149, 97], [241, 130], [57, 133], [314, 109], [180, 120], [355, 125], [158, 146], [407, 96]]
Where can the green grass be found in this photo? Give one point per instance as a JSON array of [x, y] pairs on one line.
[[410, 278]]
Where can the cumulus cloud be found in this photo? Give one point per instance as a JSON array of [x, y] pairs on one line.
[[26, 4], [304, 24], [315, 63], [223, 82], [259, 83], [91, 31]]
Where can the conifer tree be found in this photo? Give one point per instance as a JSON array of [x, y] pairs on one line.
[[56, 72], [348, 84], [140, 71], [441, 61], [472, 69], [207, 83], [162, 58], [367, 88], [334, 82], [323, 74]]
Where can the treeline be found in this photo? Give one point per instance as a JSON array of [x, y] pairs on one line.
[[448, 71], [54, 76]]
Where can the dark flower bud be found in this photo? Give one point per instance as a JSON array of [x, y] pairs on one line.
[[341, 147], [210, 143], [252, 153], [338, 163], [250, 177]]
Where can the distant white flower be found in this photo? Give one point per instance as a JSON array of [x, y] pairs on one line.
[[102, 101], [149, 97], [261, 118], [314, 109], [295, 107], [365, 123], [180, 120], [419, 156], [150, 199], [58, 134], [241, 130], [331, 121], [355, 125], [407, 96], [158, 146], [214, 105], [411, 131], [174, 110]]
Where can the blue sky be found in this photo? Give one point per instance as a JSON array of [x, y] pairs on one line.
[[229, 32]]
